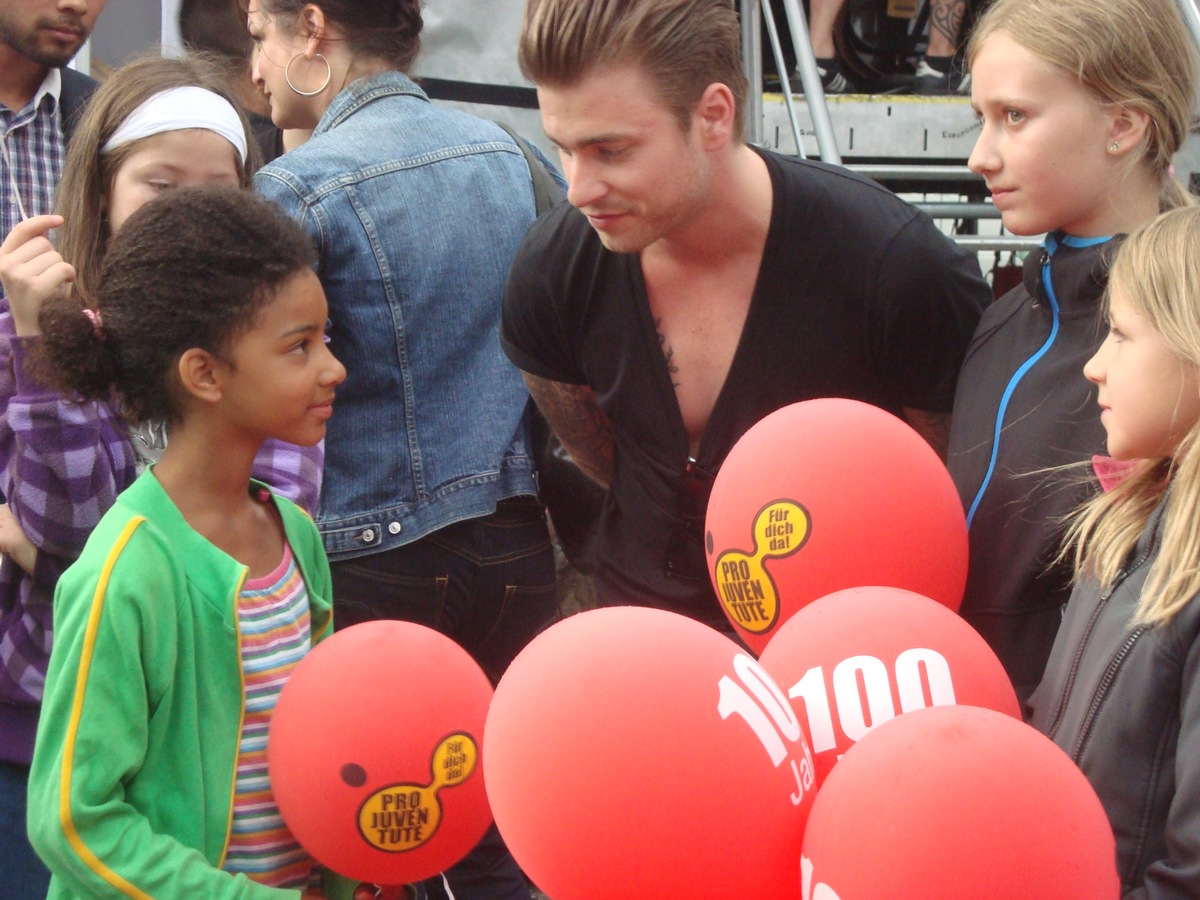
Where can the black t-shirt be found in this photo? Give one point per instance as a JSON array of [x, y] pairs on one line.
[[858, 296]]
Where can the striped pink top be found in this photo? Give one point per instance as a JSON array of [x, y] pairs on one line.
[[273, 616]]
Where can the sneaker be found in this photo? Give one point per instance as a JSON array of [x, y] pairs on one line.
[[832, 79], [929, 81]]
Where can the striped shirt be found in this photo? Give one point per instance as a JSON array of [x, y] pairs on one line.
[[273, 616], [34, 148]]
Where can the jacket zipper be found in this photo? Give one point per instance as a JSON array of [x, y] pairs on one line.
[[1111, 672], [1101, 694], [1046, 288], [1044, 262], [1075, 661]]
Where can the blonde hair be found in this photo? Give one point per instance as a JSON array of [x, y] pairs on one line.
[[683, 46], [1157, 271], [87, 179], [1135, 53]]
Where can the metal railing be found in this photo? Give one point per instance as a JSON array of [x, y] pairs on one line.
[[756, 13]]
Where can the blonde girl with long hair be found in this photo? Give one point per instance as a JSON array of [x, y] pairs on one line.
[[1121, 693]]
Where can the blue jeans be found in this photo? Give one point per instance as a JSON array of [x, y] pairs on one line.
[[487, 583], [24, 876]]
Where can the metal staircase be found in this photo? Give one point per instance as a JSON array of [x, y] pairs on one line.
[[917, 146]]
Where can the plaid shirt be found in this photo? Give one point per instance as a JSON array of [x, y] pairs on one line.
[[291, 471], [63, 466], [33, 143]]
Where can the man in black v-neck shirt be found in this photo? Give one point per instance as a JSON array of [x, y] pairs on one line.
[[694, 284]]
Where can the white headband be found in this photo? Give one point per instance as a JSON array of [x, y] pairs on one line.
[[179, 108]]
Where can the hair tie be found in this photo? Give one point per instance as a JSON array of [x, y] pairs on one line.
[[93, 316], [179, 108]]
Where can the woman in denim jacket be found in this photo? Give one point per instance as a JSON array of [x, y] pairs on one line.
[[428, 509]]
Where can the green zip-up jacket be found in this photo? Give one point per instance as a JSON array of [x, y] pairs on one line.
[[131, 788]]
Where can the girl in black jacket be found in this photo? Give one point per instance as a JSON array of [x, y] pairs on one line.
[[1082, 104], [1121, 693]]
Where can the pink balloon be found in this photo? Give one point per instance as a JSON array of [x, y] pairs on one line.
[[829, 494], [953, 802], [373, 752], [634, 752], [856, 658]]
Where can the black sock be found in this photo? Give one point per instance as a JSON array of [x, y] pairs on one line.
[[827, 66]]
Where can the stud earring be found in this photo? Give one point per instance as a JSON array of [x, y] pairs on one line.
[[1114, 147]]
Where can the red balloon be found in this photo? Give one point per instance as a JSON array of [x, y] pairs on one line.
[[373, 752], [958, 801], [857, 658], [639, 753], [824, 495]]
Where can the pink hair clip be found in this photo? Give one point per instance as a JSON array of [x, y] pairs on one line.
[[93, 316]]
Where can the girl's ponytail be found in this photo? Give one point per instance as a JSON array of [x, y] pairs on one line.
[[75, 353]]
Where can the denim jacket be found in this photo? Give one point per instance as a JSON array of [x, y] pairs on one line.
[[416, 211]]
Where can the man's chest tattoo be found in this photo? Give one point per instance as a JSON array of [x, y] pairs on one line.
[[668, 352]]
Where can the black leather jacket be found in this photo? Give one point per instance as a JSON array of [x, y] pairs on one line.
[[1124, 702]]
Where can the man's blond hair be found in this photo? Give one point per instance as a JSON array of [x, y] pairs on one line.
[[683, 46]]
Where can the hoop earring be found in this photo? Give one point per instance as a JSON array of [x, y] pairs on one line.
[[287, 75]]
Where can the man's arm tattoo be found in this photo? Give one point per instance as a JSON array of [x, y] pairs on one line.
[[582, 427]]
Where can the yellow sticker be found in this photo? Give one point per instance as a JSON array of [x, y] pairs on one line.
[[744, 586], [402, 817]]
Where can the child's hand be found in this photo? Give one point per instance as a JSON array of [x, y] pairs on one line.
[[13, 541], [31, 270]]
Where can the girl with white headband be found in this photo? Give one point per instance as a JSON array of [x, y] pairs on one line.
[[153, 125]]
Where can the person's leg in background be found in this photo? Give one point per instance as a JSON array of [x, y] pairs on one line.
[[490, 585], [936, 73], [822, 20], [22, 873]]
